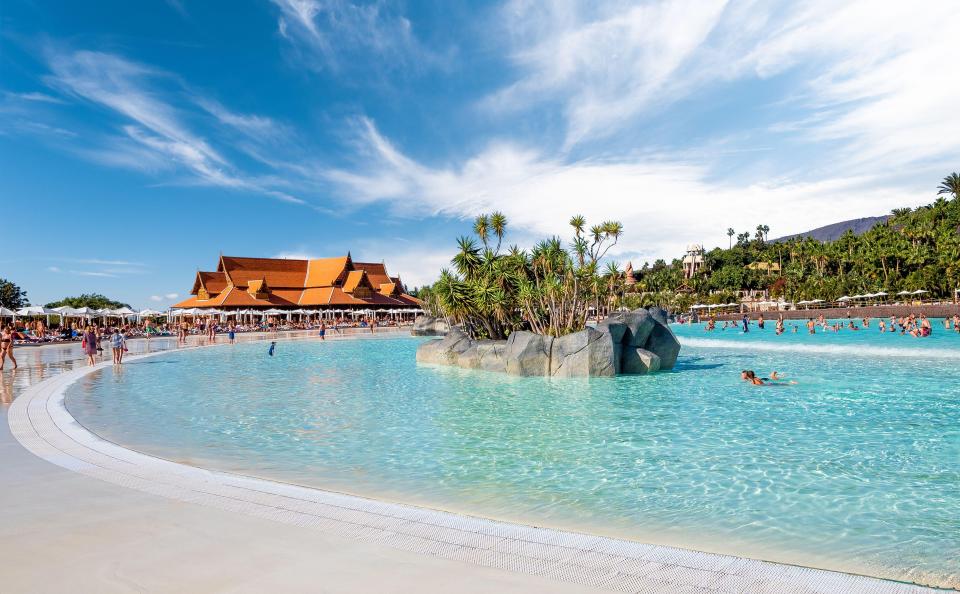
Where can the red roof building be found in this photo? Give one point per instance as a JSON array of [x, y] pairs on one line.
[[322, 283]]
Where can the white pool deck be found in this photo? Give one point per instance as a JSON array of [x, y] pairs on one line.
[[81, 514]]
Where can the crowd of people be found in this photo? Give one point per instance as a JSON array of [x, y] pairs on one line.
[[92, 337], [918, 326]]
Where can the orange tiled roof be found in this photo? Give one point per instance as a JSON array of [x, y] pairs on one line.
[[324, 272], [277, 272], [354, 279], [238, 282], [213, 282], [376, 272]]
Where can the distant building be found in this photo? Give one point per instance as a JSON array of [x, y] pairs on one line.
[[629, 279], [693, 261], [277, 283]]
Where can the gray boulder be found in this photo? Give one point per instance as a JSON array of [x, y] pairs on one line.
[[429, 326], [639, 361], [639, 323], [528, 354], [665, 345], [470, 358], [588, 353], [445, 351], [659, 314], [614, 327], [491, 355]]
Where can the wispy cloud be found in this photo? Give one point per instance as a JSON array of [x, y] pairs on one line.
[[93, 273], [36, 97], [152, 135], [330, 33], [663, 202], [53, 268], [870, 74]]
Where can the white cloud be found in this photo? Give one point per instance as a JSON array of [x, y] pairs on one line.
[[663, 203], [53, 269], [329, 32], [171, 295], [872, 72], [36, 97], [156, 298], [165, 297], [93, 273], [155, 137]]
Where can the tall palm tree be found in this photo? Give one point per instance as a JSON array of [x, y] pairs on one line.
[[950, 185], [481, 226], [498, 224], [730, 234]]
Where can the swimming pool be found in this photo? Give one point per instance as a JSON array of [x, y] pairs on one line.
[[855, 468]]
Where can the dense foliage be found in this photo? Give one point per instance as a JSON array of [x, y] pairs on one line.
[[12, 296], [914, 249], [549, 290], [91, 300]]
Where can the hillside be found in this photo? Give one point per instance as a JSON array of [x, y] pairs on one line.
[[834, 231]]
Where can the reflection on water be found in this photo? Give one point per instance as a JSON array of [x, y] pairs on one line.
[[40, 363]]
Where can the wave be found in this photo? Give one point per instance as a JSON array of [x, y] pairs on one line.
[[823, 349]]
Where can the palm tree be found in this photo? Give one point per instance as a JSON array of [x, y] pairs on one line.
[[481, 226], [950, 185], [498, 223], [730, 234]]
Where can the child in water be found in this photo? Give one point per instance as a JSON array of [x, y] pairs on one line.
[[273, 345]]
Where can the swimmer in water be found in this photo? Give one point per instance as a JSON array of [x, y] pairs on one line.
[[749, 376], [273, 345]]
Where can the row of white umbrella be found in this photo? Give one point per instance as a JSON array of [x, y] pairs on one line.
[[77, 312]]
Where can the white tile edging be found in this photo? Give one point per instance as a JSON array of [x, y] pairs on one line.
[[40, 421]]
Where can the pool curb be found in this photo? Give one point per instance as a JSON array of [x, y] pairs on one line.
[[39, 420]]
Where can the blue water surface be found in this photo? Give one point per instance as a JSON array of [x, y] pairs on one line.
[[856, 467]]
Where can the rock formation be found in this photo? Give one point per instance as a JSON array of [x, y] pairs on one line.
[[429, 326], [635, 342]]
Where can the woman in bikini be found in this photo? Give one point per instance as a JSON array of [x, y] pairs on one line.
[[6, 346]]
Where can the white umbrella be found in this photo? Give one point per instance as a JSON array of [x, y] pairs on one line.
[[845, 298], [149, 312], [880, 294], [273, 312], [36, 310], [904, 293], [6, 313], [65, 310], [919, 292]]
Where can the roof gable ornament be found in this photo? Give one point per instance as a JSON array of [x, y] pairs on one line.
[[258, 289]]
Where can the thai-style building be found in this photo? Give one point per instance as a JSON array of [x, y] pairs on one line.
[[319, 284]]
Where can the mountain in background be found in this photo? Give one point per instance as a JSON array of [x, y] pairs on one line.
[[834, 231]]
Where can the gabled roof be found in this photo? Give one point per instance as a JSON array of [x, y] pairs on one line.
[[355, 278], [324, 272], [376, 271], [277, 272], [213, 282]]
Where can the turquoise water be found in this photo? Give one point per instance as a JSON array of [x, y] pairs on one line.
[[857, 467]]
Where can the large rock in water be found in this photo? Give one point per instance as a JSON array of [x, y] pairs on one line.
[[665, 345], [638, 325], [659, 314], [588, 353], [491, 355], [446, 351], [639, 361], [527, 353], [429, 326]]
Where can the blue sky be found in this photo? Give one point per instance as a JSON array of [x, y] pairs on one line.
[[139, 140]]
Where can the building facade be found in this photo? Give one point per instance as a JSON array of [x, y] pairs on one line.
[[279, 283]]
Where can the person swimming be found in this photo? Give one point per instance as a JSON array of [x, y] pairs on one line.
[[749, 376], [273, 345]]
